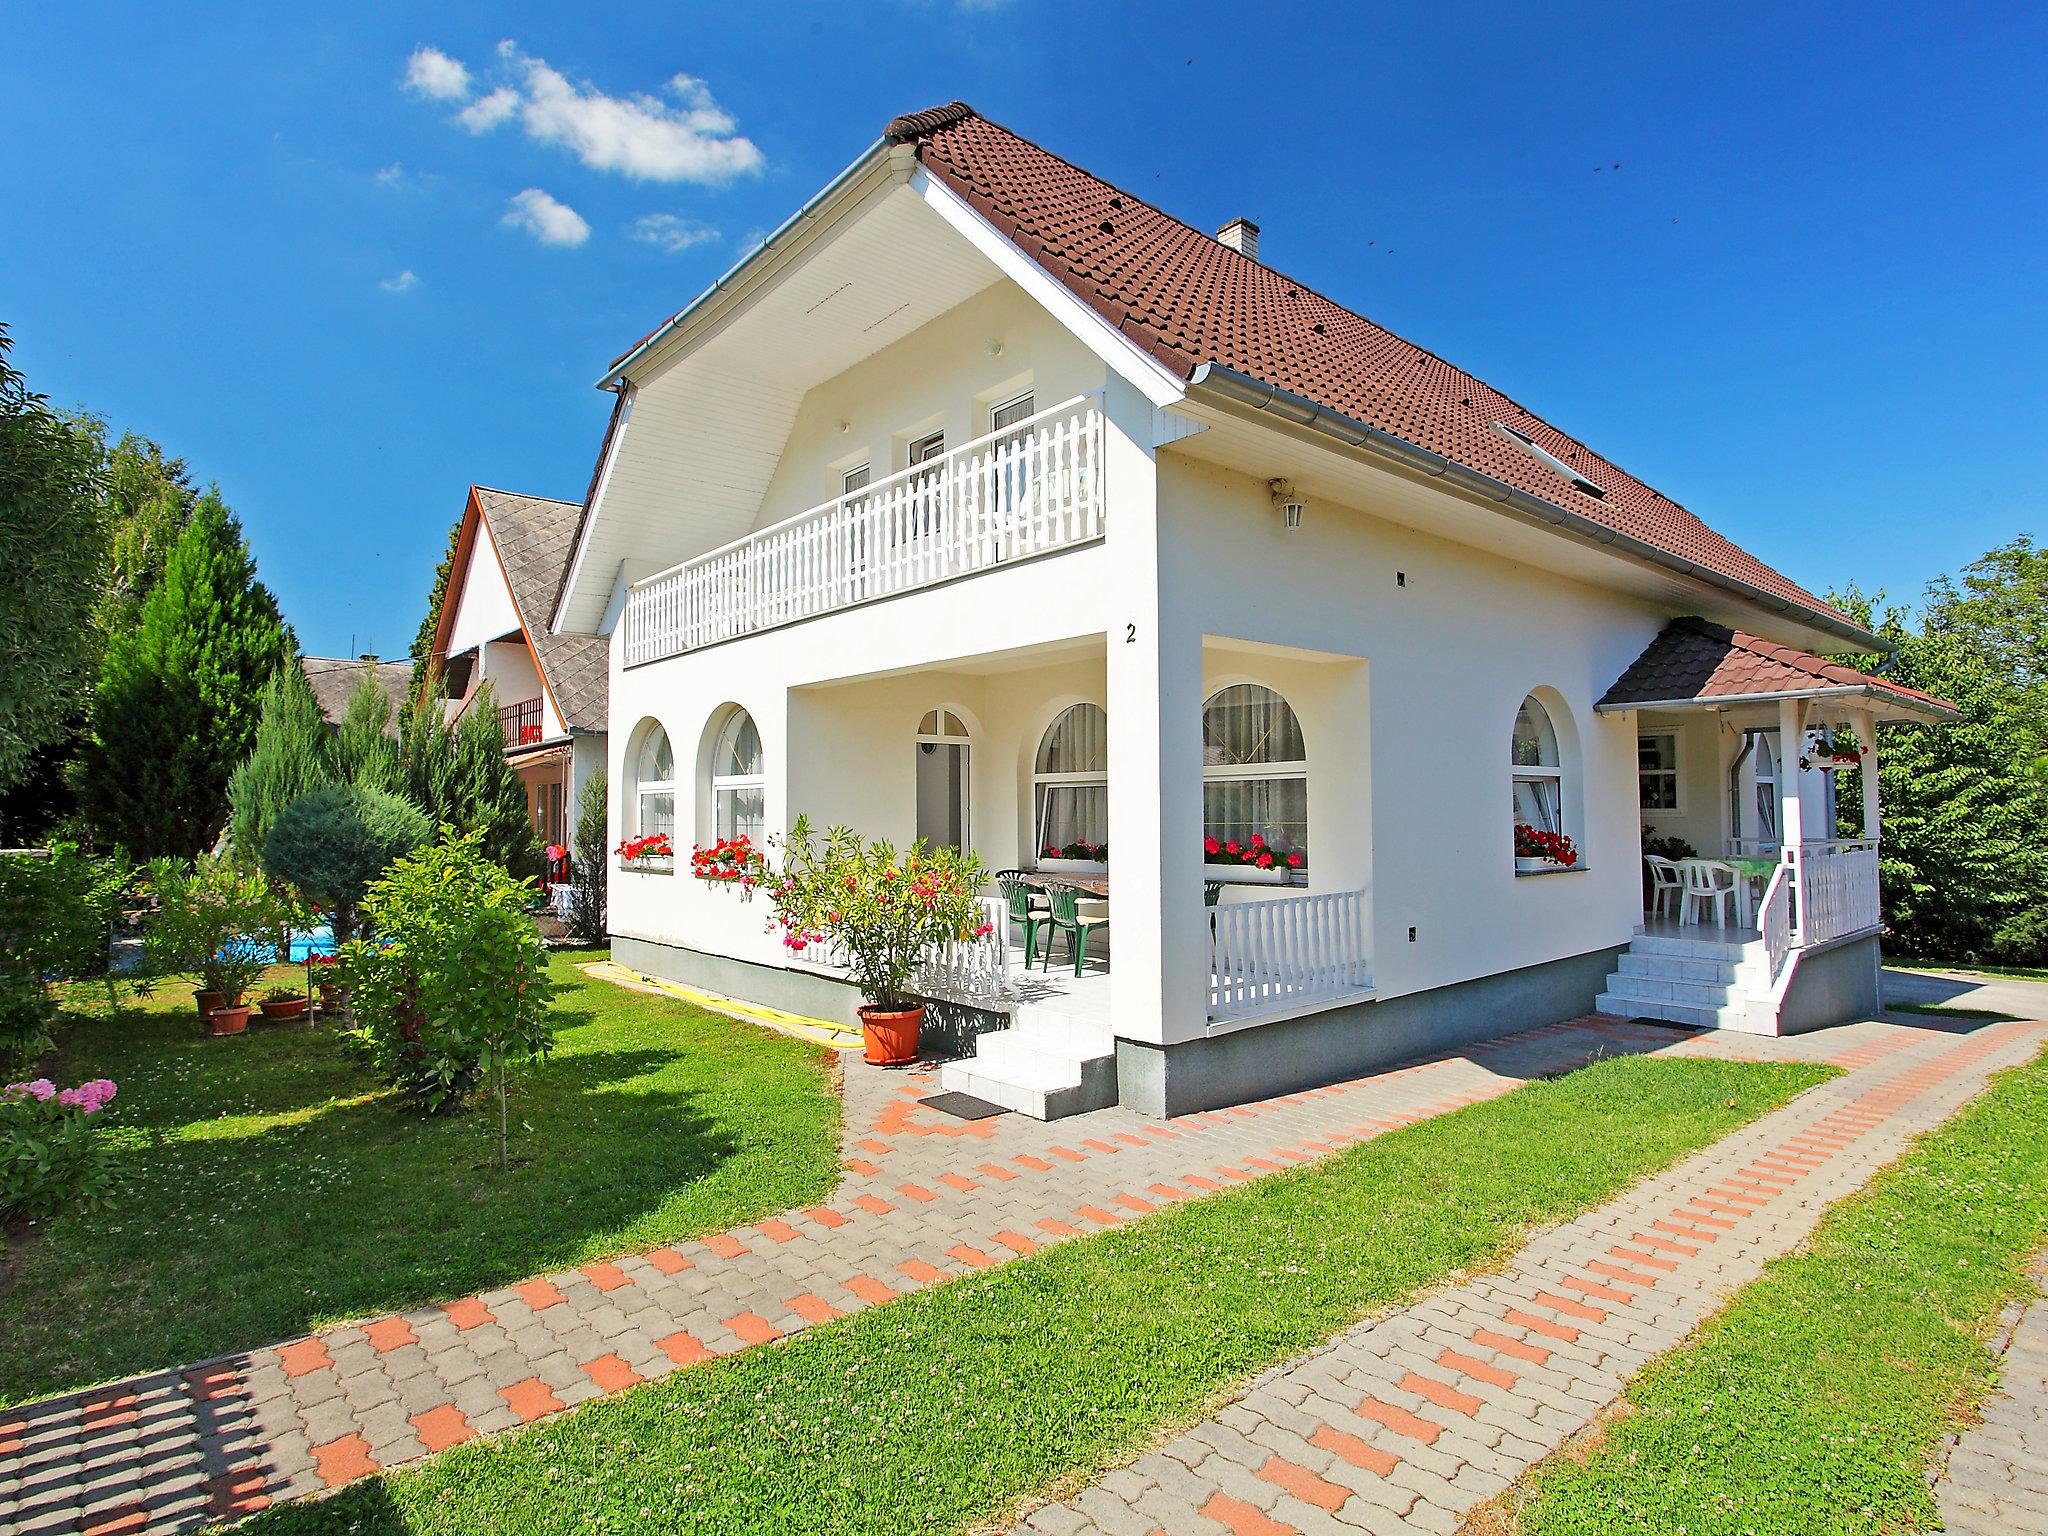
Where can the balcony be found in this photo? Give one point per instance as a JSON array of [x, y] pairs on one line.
[[1032, 489], [522, 723]]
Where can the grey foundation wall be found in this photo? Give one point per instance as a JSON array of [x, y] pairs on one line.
[[1328, 1047], [1832, 986]]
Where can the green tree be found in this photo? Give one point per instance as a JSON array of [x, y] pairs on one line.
[[488, 997], [1964, 835], [292, 756], [427, 748], [423, 642], [331, 843], [490, 798], [591, 859], [179, 695], [53, 565], [365, 748], [150, 499]]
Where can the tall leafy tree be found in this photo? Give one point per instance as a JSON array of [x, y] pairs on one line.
[[53, 564], [179, 695], [1964, 851], [150, 498], [490, 797], [292, 756]]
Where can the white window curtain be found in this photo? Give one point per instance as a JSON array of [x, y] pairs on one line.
[[1538, 770], [1254, 770], [654, 784], [1070, 784], [738, 791]]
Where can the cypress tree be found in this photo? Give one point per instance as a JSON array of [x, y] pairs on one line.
[[427, 746], [489, 795], [291, 757], [423, 642], [365, 751], [179, 695]]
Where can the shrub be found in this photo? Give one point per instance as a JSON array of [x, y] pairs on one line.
[[211, 919], [51, 1157], [427, 904], [885, 914], [487, 996], [588, 920], [330, 844], [25, 1015], [55, 912]]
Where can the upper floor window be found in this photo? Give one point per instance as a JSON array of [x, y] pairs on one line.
[[855, 479], [1070, 783], [739, 792], [1254, 774]]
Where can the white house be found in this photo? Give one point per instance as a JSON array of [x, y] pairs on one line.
[[510, 554], [988, 504]]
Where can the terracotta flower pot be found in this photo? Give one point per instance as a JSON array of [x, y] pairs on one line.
[[208, 1001], [230, 1021], [330, 995], [889, 1035], [283, 1007]]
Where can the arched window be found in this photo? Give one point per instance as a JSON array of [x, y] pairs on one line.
[[654, 784], [1254, 772], [738, 790], [1538, 769], [942, 746], [1070, 784]]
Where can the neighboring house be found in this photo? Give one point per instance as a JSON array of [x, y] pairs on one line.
[[550, 688], [335, 679], [988, 504]]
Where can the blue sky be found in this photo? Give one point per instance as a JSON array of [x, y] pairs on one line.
[[1785, 266]]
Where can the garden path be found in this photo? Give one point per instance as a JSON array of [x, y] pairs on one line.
[[1996, 1480]]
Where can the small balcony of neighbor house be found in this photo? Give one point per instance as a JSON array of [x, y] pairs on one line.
[[522, 722], [1033, 488]]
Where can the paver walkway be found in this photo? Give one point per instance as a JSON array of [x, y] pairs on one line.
[[927, 1198], [1406, 1423], [1996, 1480]]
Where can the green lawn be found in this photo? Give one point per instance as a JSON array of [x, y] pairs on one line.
[[1813, 1402], [274, 1186], [2002, 972], [945, 1408]]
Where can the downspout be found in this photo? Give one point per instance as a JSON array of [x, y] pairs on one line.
[[1228, 384]]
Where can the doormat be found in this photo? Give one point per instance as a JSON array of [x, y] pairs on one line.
[[963, 1106]]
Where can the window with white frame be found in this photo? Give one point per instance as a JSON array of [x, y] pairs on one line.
[[1013, 458], [855, 479], [654, 784], [1538, 769], [1254, 773], [1657, 770], [738, 789], [1070, 784]]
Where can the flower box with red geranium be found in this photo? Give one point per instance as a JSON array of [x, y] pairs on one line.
[[729, 861], [1538, 852], [1252, 861], [1077, 858], [651, 851]]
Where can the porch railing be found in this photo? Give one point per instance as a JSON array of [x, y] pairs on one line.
[[1837, 888], [1030, 489], [1774, 918], [521, 722], [972, 969], [1285, 955]]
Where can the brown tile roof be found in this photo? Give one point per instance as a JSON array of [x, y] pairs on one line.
[[1693, 659], [1187, 299], [334, 678], [535, 536]]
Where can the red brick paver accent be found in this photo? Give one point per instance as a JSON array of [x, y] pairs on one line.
[[439, 1428]]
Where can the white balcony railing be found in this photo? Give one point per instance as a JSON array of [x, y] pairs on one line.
[[1837, 889], [1269, 959], [1030, 489]]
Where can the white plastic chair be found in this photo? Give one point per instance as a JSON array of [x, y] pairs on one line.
[[1710, 882], [1665, 884]]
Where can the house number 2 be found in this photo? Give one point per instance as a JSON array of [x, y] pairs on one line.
[[1130, 634]]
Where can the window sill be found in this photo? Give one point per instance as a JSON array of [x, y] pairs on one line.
[[648, 866], [1557, 869]]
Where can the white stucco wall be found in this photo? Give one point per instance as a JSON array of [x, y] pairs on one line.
[[484, 610]]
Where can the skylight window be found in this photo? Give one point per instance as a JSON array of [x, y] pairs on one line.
[[1548, 460]]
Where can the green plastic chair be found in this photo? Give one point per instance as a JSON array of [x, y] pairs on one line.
[[1066, 918], [1024, 909]]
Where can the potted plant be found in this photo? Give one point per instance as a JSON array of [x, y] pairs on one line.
[[1538, 851], [1251, 862], [330, 976], [1828, 755], [283, 1003], [208, 920], [882, 913], [1081, 857], [651, 851]]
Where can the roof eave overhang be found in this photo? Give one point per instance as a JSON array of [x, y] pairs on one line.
[[1894, 704], [1217, 384]]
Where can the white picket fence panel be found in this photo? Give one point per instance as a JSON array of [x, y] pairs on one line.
[[1837, 889], [971, 970], [1030, 489], [1287, 954]]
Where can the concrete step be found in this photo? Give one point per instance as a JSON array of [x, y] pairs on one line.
[[1679, 967], [1081, 1034], [1041, 1095], [1730, 1017], [1034, 1056], [1731, 949], [1661, 989]]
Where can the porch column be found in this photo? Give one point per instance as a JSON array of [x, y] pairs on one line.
[[1792, 807], [1866, 731], [1159, 968]]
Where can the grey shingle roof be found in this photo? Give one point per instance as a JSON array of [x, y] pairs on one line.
[[535, 536], [334, 678]]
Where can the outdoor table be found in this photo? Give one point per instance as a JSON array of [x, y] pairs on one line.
[[1744, 869], [1094, 885]]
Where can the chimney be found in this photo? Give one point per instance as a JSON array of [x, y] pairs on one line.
[[368, 658], [1241, 235]]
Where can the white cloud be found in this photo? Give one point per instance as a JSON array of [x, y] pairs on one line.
[[431, 73], [671, 233], [486, 112], [549, 221], [403, 282], [391, 175]]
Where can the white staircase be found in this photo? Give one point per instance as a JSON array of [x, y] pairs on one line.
[[1710, 981], [1048, 1064]]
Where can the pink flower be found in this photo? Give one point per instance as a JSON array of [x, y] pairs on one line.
[[42, 1088], [1264, 861], [1294, 861], [1210, 845], [1258, 841], [1231, 847]]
